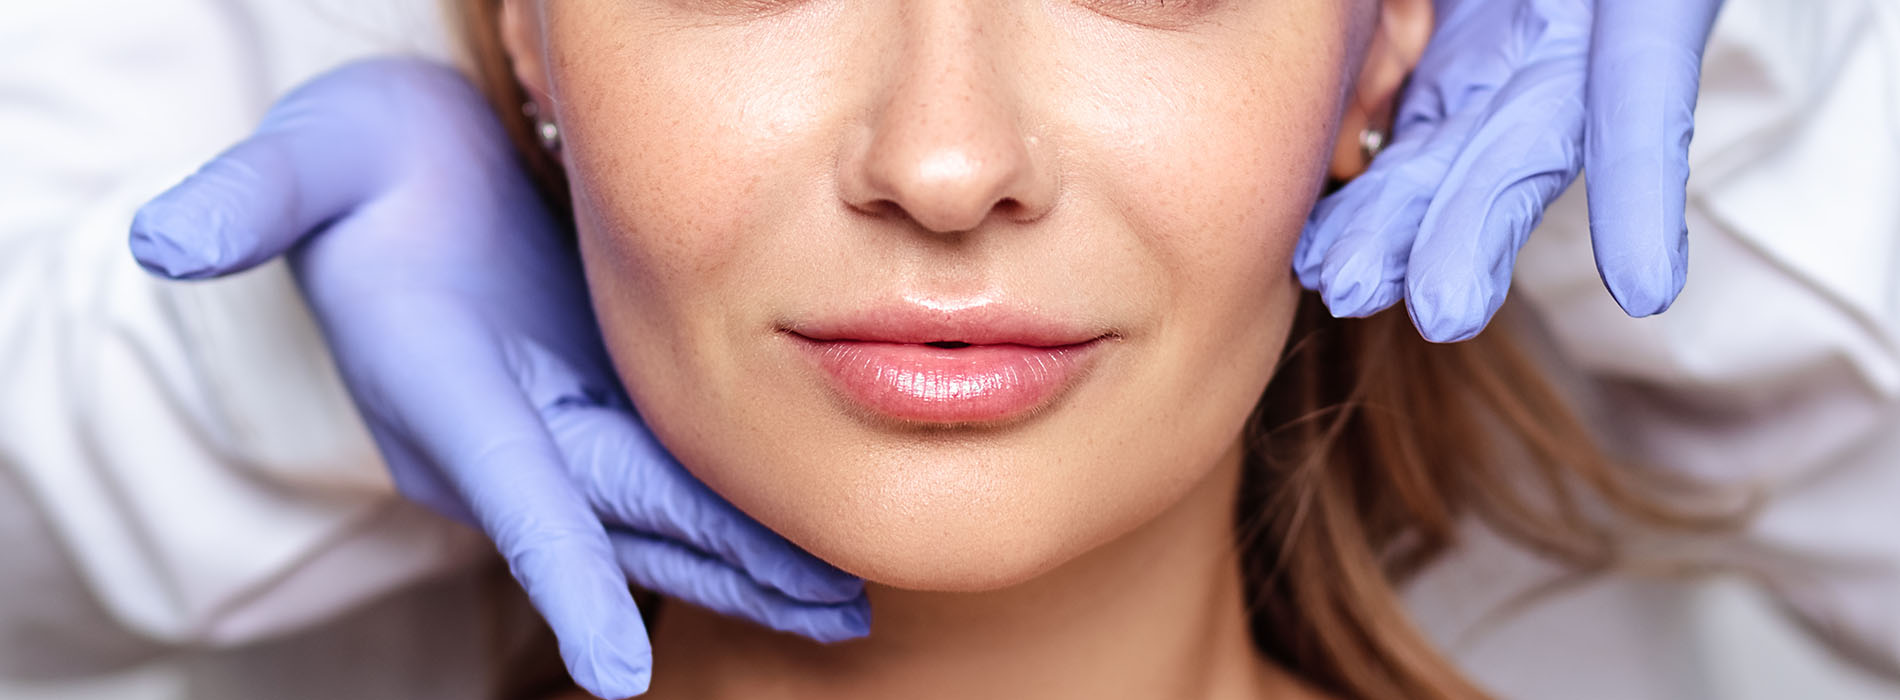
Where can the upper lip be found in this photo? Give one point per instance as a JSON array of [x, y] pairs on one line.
[[987, 324]]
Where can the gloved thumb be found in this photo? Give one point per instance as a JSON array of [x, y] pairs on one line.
[[316, 157]]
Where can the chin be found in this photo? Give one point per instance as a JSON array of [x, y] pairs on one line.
[[949, 557], [957, 522], [974, 571], [946, 559]]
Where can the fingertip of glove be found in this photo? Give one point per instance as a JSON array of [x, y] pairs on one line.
[[1646, 299], [1307, 260], [1354, 284], [852, 621], [1645, 281], [1344, 296], [609, 671], [1450, 313], [858, 619], [1309, 279], [160, 252], [797, 574], [829, 585]]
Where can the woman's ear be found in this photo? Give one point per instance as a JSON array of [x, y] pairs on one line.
[[520, 24], [1398, 40]]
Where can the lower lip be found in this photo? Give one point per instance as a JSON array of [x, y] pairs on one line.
[[974, 384]]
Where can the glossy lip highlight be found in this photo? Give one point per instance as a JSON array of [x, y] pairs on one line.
[[916, 364]]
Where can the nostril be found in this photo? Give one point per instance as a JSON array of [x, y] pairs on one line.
[[883, 209]]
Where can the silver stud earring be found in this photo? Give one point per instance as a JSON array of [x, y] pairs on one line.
[[1371, 142], [545, 129]]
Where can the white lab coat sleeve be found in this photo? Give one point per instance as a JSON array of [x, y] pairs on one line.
[[188, 446], [1779, 366]]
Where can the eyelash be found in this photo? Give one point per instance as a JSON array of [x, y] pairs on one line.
[[1135, 4], [1158, 13], [1152, 4]]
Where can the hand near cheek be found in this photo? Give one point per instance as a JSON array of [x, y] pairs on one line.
[[458, 316], [1512, 99]]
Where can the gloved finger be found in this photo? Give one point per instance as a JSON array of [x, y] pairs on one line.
[[1367, 231], [1475, 48], [1327, 223], [416, 480], [1356, 249], [663, 566], [633, 482], [1357, 263], [563, 560], [1525, 152], [1645, 65], [1316, 237], [467, 414], [314, 158]]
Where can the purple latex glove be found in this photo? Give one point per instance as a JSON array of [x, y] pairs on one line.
[[459, 317], [1512, 99]]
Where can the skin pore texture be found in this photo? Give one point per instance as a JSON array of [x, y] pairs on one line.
[[1135, 172]]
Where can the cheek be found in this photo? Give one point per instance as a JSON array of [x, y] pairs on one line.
[[688, 151], [667, 201], [1219, 171], [683, 183], [1215, 158], [1187, 183]]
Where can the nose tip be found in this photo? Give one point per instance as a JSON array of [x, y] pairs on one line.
[[948, 186], [948, 150]]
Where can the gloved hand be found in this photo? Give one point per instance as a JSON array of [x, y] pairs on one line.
[[459, 318], [1512, 98]]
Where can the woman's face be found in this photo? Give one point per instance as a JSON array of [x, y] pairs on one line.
[[948, 292]]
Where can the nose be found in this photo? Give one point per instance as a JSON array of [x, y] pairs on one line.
[[946, 146]]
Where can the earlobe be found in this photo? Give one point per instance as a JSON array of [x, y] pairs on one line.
[[521, 38], [1407, 25], [1398, 42], [1363, 130]]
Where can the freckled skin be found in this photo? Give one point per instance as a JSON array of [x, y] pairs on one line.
[[1143, 166], [1140, 166]]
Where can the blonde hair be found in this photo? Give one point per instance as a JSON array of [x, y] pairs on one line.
[[1365, 452]]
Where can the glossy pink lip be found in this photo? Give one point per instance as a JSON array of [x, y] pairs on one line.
[[980, 365]]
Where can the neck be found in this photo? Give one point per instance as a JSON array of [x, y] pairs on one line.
[[1158, 612]]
